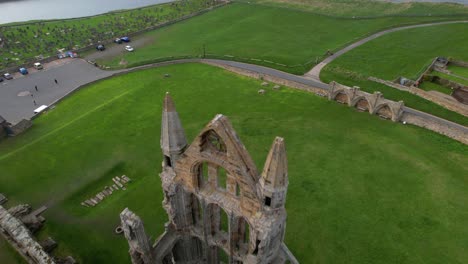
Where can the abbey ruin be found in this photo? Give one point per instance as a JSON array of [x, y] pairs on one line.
[[220, 208]]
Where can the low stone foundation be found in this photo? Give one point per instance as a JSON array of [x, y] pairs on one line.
[[16, 233]]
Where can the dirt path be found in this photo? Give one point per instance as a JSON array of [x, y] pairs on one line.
[[314, 73]]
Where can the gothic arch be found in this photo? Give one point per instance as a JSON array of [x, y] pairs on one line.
[[215, 222], [206, 174], [210, 140], [384, 110], [241, 234], [342, 97], [361, 103]]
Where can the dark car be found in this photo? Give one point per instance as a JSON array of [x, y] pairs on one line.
[[100, 47], [125, 39], [118, 41], [7, 76], [1, 79]]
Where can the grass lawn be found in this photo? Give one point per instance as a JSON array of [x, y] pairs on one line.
[[450, 77], [23, 41], [370, 8], [361, 189], [8, 255], [430, 86], [405, 53], [460, 71], [266, 34]]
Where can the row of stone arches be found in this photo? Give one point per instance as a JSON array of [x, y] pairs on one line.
[[372, 103]]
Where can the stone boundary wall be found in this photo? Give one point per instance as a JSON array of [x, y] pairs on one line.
[[459, 63], [270, 78], [397, 109], [438, 99], [21, 239], [441, 126], [453, 132]]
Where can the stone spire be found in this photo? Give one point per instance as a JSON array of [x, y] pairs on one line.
[[275, 172], [173, 139], [274, 178], [140, 249]]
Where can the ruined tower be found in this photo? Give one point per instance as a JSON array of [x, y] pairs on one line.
[[221, 210]]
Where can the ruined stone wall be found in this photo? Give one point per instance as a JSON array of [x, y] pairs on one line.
[[459, 63], [220, 208], [20, 238], [440, 99]]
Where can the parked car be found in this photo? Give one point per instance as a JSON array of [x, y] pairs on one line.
[[1, 79], [118, 41], [7, 76], [23, 71], [100, 47], [38, 66], [129, 48], [125, 39]]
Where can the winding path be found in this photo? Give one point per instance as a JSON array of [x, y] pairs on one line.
[[314, 73]]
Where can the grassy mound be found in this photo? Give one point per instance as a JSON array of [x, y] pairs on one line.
[[362, 190]]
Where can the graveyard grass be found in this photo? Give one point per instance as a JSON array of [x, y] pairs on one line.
[[283, 38], [405, 53], [361, 189]]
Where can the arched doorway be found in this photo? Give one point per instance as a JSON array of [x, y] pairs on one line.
[[362, 105], [384, 112], [341, 98]]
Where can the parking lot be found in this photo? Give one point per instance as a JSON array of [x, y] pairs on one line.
[[17, 96]]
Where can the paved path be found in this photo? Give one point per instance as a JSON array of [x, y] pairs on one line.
[[314, 73]]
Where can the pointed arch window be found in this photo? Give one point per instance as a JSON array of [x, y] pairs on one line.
[[212, 141]]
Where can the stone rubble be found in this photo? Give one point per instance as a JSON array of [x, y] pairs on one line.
[[119, 183]]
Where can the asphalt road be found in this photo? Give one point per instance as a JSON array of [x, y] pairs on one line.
[[314, 73], [70, 76]]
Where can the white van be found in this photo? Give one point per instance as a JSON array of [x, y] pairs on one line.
[[40, 109], [38, 66]]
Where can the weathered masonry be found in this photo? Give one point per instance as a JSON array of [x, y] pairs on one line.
[[374, 103], [221, 209]]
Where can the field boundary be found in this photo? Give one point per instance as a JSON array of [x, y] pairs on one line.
[[408, 115]]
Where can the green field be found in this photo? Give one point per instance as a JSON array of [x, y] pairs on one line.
[[369, 8], [405, 53], [460, 71], [302, 39], [430, 86], [8, 254], [451, 77], [361, 189], [24, 41]]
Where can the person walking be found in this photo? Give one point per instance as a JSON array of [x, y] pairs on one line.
[[34, 101], [55, 80], [35, 87]]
